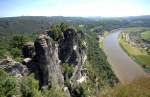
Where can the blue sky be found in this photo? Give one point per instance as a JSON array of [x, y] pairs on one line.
[[105, 8]]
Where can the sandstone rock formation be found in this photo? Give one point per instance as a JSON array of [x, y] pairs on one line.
[[13, 68], [72, 51], [28, 50], [45, 62], [46, 56]]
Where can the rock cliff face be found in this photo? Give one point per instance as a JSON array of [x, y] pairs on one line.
[[72, 51], [28, 50], [67, 47], [46, 62]]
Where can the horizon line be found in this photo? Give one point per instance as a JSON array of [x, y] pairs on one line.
[[74, 16]]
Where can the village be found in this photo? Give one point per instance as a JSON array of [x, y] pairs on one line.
[[136, 40]]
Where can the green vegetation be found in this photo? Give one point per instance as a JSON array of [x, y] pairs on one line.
[[33, 24], [18, 41], [146, 35], [30, 87], [139, 55], [56, 30], [101, 40], [26, 87], [101, 44], [134, 30], [137, 88], [99, 70], [8, 85], [67, 70], [12, 46], [16, 45], [52, 90], [82, 90]]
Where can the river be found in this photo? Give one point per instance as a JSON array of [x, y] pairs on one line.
[[123, 66]]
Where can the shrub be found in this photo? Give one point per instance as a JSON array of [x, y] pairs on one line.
[[8, 85], [53, 90], [2, 52], [56, 31], [15, 52], [81, 91], [30, 87], [18, 41], [67, 68], [16, 44]]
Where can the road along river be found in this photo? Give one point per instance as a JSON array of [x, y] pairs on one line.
[[123, 66]]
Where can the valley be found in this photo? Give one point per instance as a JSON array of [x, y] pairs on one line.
[[70, 56]]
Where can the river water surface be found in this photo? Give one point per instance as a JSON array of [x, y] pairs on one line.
[[123, 66]]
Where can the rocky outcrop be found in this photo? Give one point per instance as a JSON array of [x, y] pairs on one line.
[[28, 50], [45, 63], [13, 68], [67, 47], [45, 57], [72, 51]]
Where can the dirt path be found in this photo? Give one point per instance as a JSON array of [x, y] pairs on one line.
[[123, 66]]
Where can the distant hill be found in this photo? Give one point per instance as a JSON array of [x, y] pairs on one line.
[[139, 17], [29, 24]]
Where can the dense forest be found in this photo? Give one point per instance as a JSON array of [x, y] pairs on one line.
[[30, 24]]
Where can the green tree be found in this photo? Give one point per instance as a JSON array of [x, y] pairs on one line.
[[30, 87], [16, 44], [55, 32], [53, 90], [18, 41], [79, 91], [63, 26], [15, 52], [8, 85]]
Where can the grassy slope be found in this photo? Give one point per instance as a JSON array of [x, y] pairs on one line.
[[137, 88], [146, 35], [138, 55], [101, 40]]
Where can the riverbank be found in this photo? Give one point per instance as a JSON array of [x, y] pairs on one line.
[[101, 39], [139, 55], [123, 66]]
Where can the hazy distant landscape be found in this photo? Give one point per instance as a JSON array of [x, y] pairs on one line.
[[74, 48]]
